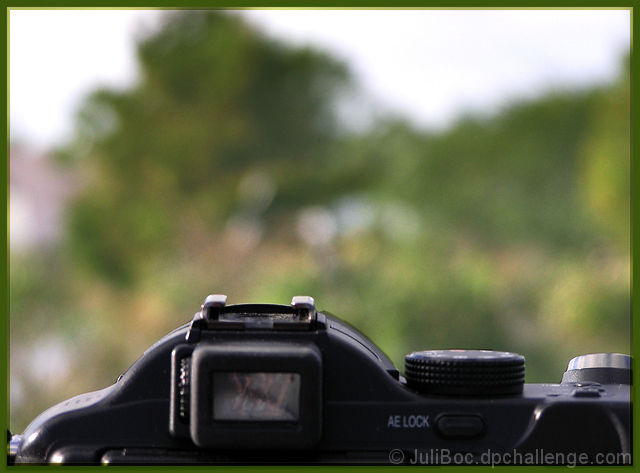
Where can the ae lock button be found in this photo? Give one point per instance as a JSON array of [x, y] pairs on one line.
[[459, 426]]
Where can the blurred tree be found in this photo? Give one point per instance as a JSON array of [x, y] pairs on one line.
[[215, 101], [606, 173]]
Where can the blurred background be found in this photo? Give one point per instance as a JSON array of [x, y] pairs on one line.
[[438, 179]]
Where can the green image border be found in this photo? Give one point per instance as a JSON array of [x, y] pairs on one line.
[[327, 4]]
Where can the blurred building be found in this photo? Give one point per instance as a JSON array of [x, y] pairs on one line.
[[38, 192]]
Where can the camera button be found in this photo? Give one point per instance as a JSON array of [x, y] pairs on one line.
[[587, 391], [585, 384], [453, 426]]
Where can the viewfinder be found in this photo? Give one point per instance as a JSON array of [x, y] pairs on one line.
[[256, 396], [253, 394]]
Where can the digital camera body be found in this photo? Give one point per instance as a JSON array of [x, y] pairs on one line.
[[261, 383]]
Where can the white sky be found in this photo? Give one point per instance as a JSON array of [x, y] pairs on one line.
[[429, 65]]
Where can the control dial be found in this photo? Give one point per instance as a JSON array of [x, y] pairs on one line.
[[603, 368], [465, 372]]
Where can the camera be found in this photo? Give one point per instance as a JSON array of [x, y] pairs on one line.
[[287, 384]]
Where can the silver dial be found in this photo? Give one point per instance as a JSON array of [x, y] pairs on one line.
[[599, 368], [600, 360]]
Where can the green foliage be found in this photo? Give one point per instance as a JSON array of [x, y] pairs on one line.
[[225, 170], [607, 168], [215, 100]]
